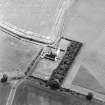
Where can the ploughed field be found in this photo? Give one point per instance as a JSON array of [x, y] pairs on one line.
[[4, 92], [28, 93]]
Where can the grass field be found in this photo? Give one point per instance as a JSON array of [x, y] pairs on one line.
[[15, 55], [35, 15], [44, 69], [85, 22], [4, 93]]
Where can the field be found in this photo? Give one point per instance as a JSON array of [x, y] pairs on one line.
[[4, 92], [28, 93], [84, 21], [15, 55], [35, 15]]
